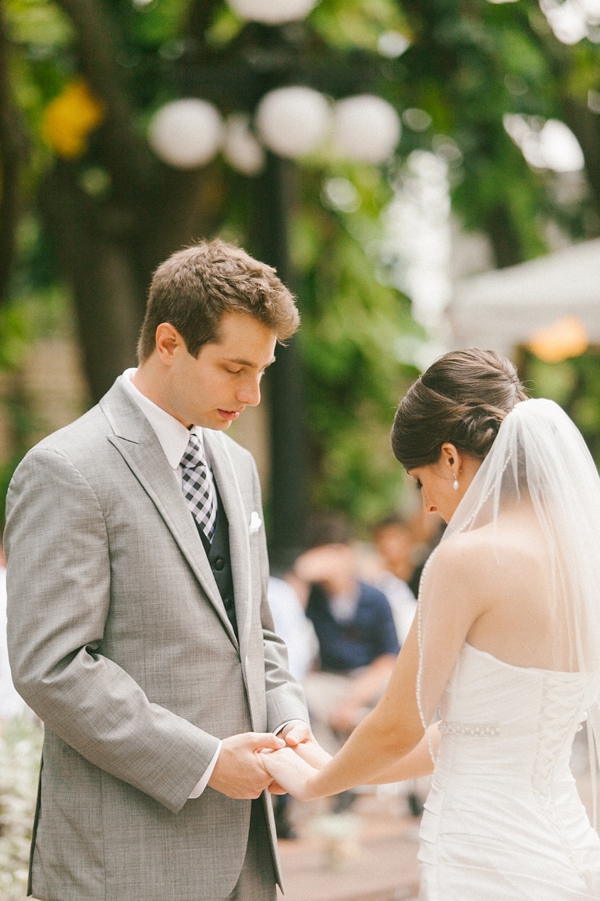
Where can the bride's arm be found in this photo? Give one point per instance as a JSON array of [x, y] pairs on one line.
[[391, 730], [416, 763], [290, 767], [394, 729]]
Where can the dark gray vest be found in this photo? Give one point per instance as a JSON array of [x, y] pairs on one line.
[[220, 560]]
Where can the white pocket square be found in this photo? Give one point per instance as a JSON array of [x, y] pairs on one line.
[[255, 523]]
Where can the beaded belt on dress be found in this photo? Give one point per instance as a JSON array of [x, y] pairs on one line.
[[478, 729]]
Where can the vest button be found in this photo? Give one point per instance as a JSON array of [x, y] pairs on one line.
[[219, 564]]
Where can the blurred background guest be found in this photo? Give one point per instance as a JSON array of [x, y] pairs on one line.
[[356, 633], [395, 544], [288, 597], [291, 623]]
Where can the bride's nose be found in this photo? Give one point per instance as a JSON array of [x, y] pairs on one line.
[[427, 505]]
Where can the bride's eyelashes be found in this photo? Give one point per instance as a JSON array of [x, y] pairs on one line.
[[418, 484]]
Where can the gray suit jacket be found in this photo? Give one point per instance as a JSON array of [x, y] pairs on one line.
[[119, 640]]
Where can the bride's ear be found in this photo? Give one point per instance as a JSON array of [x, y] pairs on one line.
[[451, 458]]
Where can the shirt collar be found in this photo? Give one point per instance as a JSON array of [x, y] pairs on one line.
[[172, 435]]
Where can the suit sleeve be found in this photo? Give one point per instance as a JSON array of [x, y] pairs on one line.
[[285, 695], [58, 584]]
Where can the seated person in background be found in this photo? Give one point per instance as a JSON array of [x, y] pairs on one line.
[[395, 545], [291, 624], [287, 600], [355, 629]]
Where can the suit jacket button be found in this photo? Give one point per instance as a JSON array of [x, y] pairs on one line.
[[219, 564]]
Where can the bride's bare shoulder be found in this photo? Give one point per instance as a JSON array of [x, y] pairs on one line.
[[486, 549]]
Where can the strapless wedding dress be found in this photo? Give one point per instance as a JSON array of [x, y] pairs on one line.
[[503, 820]]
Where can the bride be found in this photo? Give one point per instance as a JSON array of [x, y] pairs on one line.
[[503, 662]]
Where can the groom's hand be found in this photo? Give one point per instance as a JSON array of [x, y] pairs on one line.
[[239, 772]]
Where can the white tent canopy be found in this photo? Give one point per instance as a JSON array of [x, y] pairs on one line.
[[501, 309]]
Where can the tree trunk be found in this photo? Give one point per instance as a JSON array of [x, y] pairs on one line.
[[585, 125], [289, 482], [505, 241], [102, 271]]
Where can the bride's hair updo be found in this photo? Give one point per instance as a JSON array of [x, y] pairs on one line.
[[461, 399]]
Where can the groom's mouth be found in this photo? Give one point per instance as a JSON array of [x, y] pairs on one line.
[[230, 415]]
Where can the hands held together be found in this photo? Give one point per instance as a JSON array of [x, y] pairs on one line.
[[253, 761], [295, 766]]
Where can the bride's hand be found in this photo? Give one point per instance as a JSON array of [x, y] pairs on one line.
[[291, 772], [313, 754]]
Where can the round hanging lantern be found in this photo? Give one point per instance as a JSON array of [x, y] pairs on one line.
[[293, 121], [365, 128], [273, 12], [240, 148], [186, 133], [561, 149]]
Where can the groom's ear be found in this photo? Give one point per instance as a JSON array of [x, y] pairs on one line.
[[168, 340]]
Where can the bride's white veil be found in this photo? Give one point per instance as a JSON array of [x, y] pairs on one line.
[[539, 464]]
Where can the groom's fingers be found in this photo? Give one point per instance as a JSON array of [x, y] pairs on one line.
[[266, 740], [239, 772]]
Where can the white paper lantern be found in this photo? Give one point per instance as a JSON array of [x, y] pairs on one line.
[[273, 12], [561, 150], [365, 128], [240, 148], [186, 133], [293, 121]]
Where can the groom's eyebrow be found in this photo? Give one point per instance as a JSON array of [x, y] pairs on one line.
[[241, 362]]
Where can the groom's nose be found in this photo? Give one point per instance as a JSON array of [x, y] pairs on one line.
[[249, 391]]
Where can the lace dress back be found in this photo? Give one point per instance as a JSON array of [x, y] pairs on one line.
[[503, 820]]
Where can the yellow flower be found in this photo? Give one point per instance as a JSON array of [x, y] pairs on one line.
[[69, 118]]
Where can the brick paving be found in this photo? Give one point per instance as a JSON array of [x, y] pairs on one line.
[[377, 863]]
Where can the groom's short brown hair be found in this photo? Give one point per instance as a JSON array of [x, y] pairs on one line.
[[195, 287]]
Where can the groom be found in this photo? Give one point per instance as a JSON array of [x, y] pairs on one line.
[[138, 624]]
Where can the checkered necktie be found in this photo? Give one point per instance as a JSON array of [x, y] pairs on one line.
[[198, 488]]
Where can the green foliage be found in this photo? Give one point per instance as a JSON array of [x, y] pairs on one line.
[[357, 23], [24, 320], [157, 23], [473, 62], [469, 63], [575, 385], [353, 325], [40, 23]]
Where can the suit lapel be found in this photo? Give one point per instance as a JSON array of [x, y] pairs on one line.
[[239, 546], [137, 443]]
